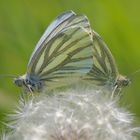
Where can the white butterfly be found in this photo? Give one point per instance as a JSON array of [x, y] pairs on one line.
[[69, 51], [104, 70], [62, 55]]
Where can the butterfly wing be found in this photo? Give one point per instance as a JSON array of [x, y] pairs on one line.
[[104, 70], [65, 20], [66, 58]]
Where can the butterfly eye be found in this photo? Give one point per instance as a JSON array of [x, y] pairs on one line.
[[18, 82], [126, 82]]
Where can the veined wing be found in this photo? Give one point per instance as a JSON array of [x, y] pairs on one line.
[[62, 22], [104, 70], [67, 56]]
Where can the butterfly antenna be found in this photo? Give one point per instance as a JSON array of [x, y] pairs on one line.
[[135, 72], [8, 76]]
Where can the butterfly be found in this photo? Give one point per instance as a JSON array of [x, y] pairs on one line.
[[69, 52], [104, 70], [62, 55]]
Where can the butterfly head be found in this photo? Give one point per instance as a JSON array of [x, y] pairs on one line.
[[122, 81], [30, 83], [19, 81]]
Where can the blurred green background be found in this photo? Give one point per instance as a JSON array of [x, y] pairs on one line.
[[23, 22]]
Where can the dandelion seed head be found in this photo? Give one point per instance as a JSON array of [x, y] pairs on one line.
[[76, 114]]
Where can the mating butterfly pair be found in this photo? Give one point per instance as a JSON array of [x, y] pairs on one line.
[[68, 52]]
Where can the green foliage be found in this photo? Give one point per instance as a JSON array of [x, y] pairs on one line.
[[23, 22]]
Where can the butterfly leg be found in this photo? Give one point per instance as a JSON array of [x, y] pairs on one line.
[[113, 92], [30, 90]]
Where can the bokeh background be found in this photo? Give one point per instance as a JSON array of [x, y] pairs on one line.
[[22, 23]]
